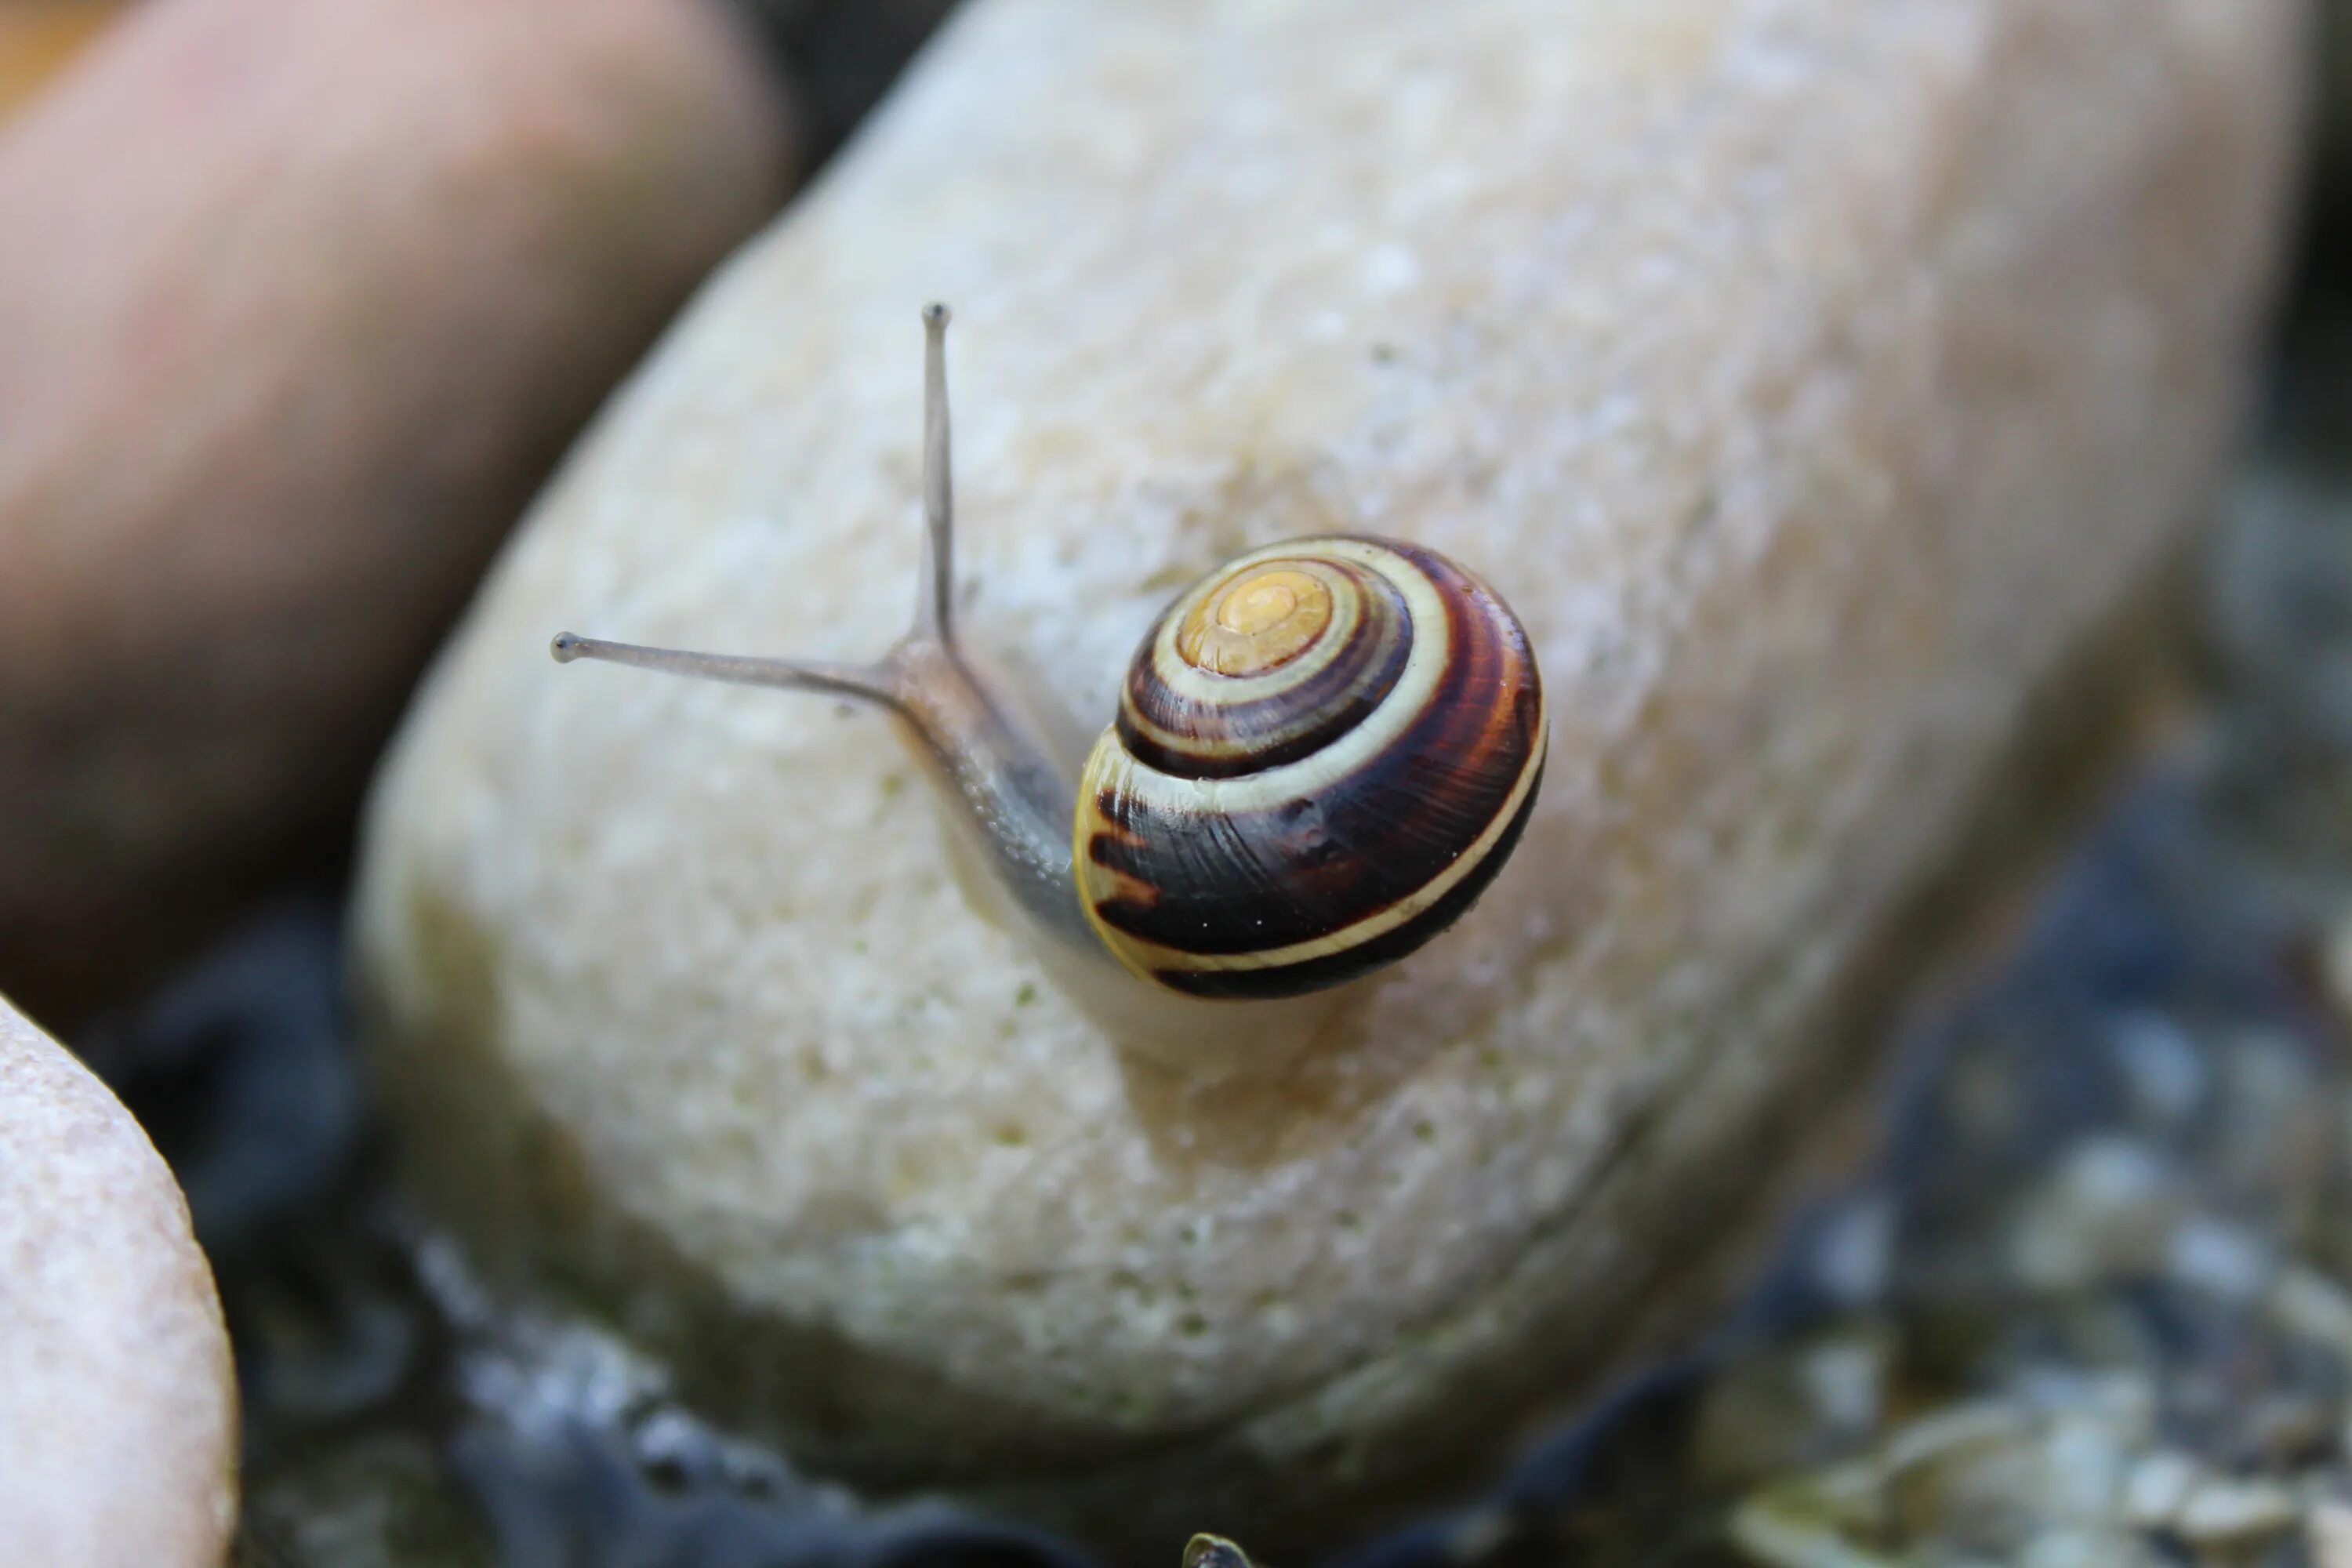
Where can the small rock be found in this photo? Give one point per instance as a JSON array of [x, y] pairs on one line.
[[2082, 1546], [1803, 1528], [1213, 1551], [118, 1400], [2305, 1301], [2159, 1487], [2228, 1260], [2219, 1510], [2109, 1210], [1779, 1413]]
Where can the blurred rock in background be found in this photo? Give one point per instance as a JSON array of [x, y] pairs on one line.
[[301, 299]]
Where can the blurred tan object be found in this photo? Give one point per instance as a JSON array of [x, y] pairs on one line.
[[1828, 385], [118, 1400], [301, 298], [38, 37]]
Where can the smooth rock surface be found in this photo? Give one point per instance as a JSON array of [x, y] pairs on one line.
[[118, 1400], [300, 300], [1824, 384]]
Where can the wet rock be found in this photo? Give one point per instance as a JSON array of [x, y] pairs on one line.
[[118, 1406], [291, 340], [1823, 388]]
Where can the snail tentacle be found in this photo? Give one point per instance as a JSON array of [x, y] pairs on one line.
[[884, 681], [1012, 805], [935, 609], [860, 682]]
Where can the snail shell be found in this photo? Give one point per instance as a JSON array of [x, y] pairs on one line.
[[1324, 751]]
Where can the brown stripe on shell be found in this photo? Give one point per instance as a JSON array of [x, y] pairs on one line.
[[1227, 740], [1337, 968], [1230, 884]]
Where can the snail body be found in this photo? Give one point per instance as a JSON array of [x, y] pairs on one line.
[[1324, 751]]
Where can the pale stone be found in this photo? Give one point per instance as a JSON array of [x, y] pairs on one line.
[[1823, 382], [118, 1400]]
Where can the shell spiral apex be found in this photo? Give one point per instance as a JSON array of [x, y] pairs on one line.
[[1324, 751]]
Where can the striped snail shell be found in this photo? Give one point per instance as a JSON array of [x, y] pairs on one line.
[[1324, 751]]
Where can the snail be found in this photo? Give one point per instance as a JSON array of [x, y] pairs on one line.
[[1324, 751]]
